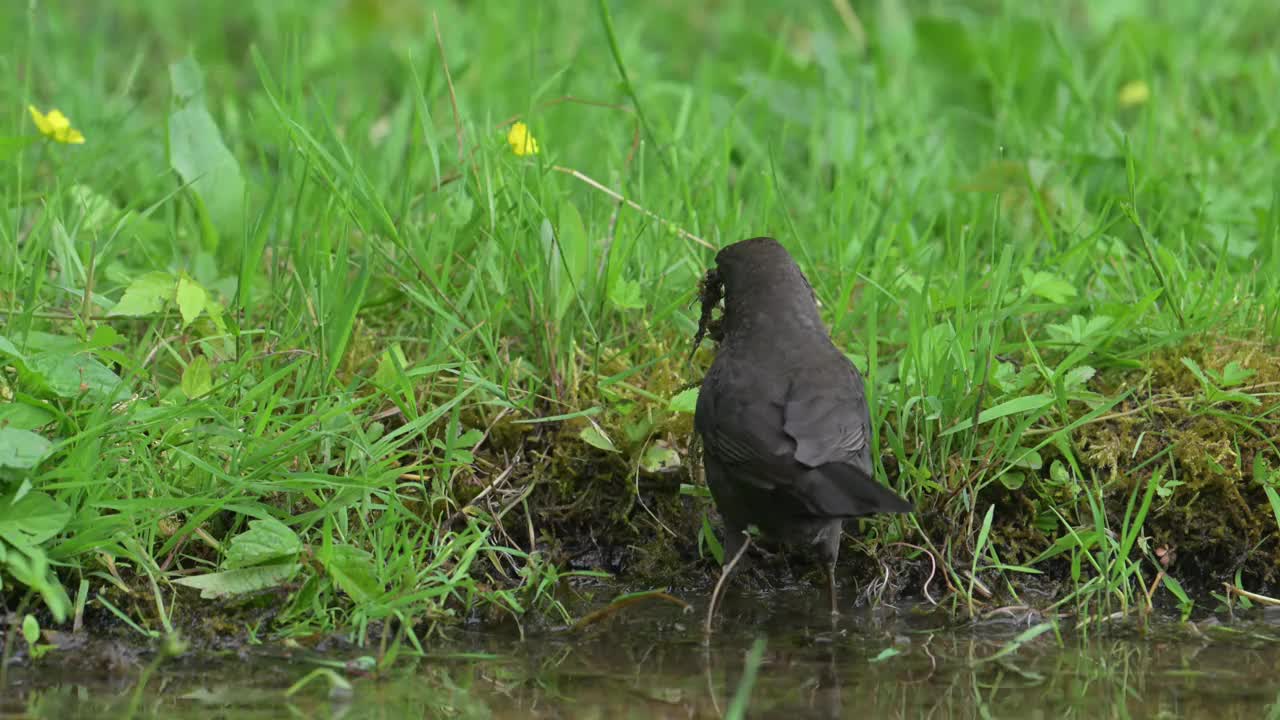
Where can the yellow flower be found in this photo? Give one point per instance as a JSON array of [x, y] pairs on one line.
[[521, 141], [56, 126], [1134, 93]]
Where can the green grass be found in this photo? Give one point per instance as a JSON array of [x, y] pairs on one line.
[[296, 320]]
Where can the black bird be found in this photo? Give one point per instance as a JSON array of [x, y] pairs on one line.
[[782, 412]]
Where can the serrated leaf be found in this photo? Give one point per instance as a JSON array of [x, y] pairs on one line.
[[197, 378], [468, 439], [595, 437], [658, 457], [266, 539], [1047, 285], [146, 295], [685, 401], [33, 519], [22, 449], [1235, 373], [192, 299], [1079, 330], [1194, 367], [1077, 377], [627, 295], [352, 571], [238, 582]]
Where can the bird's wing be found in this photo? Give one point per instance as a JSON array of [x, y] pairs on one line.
[[741, 419], [829, 421], [777, 434]]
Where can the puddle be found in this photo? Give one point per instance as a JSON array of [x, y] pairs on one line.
[[649, 661]]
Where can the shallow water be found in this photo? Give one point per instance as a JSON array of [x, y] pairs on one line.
[[649, 661]]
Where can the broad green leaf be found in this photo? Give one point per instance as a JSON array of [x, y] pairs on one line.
[[1273, 498], [595, 437], [23, 416], [575, 248], [1026, 458], [1175, 587], [198, 154], [187, 79], [22, 449], [658, 457], [352, 570], [33, 519], [146, 295], [191, 298], [391, 364], [30, 630], [8, 348], [197, 378], [708, 536], [685, 401], [70, 375], [1058, 472], [1013, 479], [265, 540], [885, 654], [1023, 638], [1026, 403], [237, 582], [30, 568], [698, 491]]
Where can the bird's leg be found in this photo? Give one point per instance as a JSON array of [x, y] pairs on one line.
[[732, 540], [831, 586], [828, 550]]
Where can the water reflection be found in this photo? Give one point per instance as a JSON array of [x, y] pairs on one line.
[[651, 662]]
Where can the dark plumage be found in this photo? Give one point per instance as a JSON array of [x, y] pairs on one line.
[[782, 412]]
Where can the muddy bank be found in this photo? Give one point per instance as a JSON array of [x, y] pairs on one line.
[[1192, 437]]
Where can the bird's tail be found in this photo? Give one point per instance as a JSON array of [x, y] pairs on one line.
[[840, 490]]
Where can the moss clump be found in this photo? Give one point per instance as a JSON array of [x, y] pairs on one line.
[[1202, 447]]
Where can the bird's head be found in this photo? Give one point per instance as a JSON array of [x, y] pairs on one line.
[[757, 278]]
